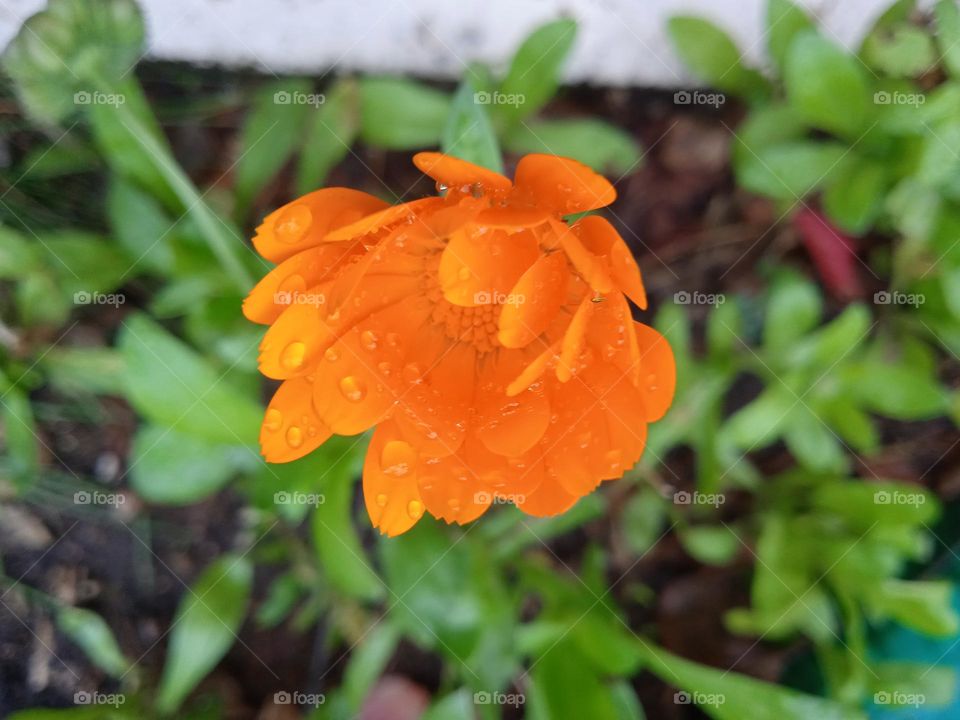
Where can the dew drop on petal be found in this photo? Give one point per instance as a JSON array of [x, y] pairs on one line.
[[331, 355], [294, 436], [353, 388], [273, 420], [415, 509], [412, 373], [292, 356], [368, 339], [397, 458], [293, 223], [464, 273], [382, 500]]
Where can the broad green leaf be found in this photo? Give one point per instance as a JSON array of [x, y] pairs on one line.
[[345, 562], [710, 544], [77, 370], [173, 386], [948, 35], [863, 505], [400, 114], [714, 58], [469, 133], [791, 170], [60, 53], [40, 301], [330, 133], [605, 640], [534, 73], [925, 606], [87, 267], [827, 87], [270, 134], [141, 226], [174, 468], [283, 595], [784, 22], [205, 627], [902, 51], [794, 308], [95, 638], [834, 342], [897, 391], [738, 697], [18, 254], [759, 423], [854, 196], [367, 662], [602, 146], [812, 442], [627, 704], [567, 689], [851, 423]]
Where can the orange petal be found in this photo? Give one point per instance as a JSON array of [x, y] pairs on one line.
[[658, 378], [590, 267], [602, 239], [390, 489], [538, 295], [287, 283], [304, 222], [512, 217], [548, 499], [534, 370], [385, 218], [562, 185], [509, 425], [573, 339], [456, 173], [482, 269], [457, 488], [624, 410], [291, 428]]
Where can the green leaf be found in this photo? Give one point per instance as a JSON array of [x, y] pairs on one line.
[[642, 519], [725, 328], [854, 196], [534, 73], [925, 606], [850, 422], [59, 54], [40, 301], [174, 468], [271, 133], [85, 265], [455, 706], [897, 391], [902, 51], [864, 505], [204, 628], [367, 662], [341, 554], [18, 255], [948, 35], [793, 310], [827, 87], [791, 170], [78, 370], [141, 226], [714, 58], [602, 146], [330, 133], [93, 635], [835, 341], [469, 133], [400, 114], [759, 423], [710, 544], [784, 22], [738, 697], [171, 385], [19, 433], [566, 689], [813, 443]]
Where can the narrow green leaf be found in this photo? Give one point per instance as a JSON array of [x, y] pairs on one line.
[[141, 226], [534, 73], [331, 131], [602, 146], [948, 35], [95, 638], [469, 133], [713, 57], [784, 22], [925, 606], [400, 114]]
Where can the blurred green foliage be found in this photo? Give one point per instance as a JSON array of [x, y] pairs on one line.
[[830, 550]]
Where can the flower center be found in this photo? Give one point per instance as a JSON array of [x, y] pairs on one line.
[[475, 325]]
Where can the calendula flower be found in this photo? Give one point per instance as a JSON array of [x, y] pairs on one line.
[[487, 340]]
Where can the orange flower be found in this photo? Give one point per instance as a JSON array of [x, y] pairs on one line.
[[487, 340]]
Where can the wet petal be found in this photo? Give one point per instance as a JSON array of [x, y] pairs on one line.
[[385, 218], [482, 269], [509, 425], [390, 489], [562, 185], [549, 499], [457, 488], [573, 339], [306, 221], [538, 295], [591, 268], [658, 376], [291, 427], [602, 239], [456, 173]]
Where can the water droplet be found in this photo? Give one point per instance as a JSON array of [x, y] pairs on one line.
[[293, 223], [397, 458], [412, 373], [384, 368], [294, 436], [273, 420], [292, 284], [331, 355], [368, 339], [382, 500], [415, 509], [293, 355], [464, 273], [353, 388], [393, 339]]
